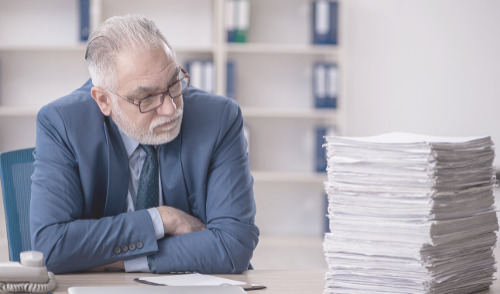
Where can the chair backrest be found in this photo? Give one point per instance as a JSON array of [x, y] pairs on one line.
[[16, 168]]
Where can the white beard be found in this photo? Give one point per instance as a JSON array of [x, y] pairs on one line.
[[148, 137]]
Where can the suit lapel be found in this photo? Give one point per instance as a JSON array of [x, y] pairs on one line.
[[172, 176], [118, 172]]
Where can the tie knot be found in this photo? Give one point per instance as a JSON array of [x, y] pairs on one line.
[[149, 149]]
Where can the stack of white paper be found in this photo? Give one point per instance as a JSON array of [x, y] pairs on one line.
[[410, 214]]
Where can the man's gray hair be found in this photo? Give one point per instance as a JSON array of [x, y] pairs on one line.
[[115, 34]]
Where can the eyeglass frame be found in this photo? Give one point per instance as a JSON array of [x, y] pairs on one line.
[[138, 102]]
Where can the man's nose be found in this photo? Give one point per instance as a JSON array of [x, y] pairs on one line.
[[167, 108]]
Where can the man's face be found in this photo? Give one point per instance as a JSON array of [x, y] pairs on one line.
[[140, 74]]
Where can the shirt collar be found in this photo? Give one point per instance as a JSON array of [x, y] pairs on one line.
[[130, 144]]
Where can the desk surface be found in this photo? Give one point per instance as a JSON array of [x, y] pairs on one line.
[[277, 282]]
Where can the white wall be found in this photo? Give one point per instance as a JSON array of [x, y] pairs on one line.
[[426, 66]]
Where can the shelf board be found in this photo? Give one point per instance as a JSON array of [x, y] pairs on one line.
[[259, 48], [254, 48], [43, 47], [16, 111], [260, 112], [83, 46], [294, 177]]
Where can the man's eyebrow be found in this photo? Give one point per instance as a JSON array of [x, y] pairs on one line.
[[175, 75], [140, 91]]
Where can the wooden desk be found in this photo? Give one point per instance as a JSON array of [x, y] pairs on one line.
[[277, 282]]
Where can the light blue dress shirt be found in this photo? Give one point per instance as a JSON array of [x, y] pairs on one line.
[[136, 156]]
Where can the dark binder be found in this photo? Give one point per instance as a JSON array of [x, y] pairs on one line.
[[84, 9], [331, 85], [321, 161], [325, 22], [231, 79], [319, 84], [231, 20]]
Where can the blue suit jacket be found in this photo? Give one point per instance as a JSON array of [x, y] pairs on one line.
[[78, 202]]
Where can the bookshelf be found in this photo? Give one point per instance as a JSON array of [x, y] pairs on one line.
[[43, 60]]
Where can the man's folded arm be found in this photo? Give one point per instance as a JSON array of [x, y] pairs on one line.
[[227, 244], [70, 241]]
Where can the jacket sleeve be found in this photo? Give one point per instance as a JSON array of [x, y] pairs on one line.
[[227, 244], [70, 239]]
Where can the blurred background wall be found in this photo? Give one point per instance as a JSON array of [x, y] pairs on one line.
[[422, 66]]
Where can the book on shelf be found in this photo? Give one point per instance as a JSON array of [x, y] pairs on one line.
[[325, 22], [231, 79], [237, 20], [320, 153], [325, 84], [84, 12]]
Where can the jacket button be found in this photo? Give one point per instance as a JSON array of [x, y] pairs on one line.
[[131, 247], [124, 248], [117, 250], [139, 245]]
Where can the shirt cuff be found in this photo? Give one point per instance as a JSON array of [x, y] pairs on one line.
[[139, 264], [157, 222]]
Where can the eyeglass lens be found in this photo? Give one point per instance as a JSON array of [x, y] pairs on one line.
[[174, 91]]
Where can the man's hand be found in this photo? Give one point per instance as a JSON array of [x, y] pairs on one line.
[[177, 222]]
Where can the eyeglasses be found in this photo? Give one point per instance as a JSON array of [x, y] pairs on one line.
[[152, 102]]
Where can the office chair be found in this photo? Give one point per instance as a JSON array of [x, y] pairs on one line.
[[16, 168]]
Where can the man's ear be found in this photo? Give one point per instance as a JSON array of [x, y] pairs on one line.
[[103, 100]]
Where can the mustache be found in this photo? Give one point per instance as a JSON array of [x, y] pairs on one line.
[[166, 119]]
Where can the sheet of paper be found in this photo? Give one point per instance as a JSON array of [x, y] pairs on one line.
[[191, 280]]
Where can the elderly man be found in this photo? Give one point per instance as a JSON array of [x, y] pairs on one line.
[[137, 170]]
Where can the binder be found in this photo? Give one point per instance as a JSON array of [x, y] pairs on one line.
[[231, 79], [84, 10], [320, 154], [230, 20], [331, 85], [325, 22], [325, 84], [242, 21], [237, 20], [319, 84]]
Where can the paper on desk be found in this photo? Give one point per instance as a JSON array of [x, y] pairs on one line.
[[191, 280]]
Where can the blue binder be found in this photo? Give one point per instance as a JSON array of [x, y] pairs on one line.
[[231, 79], [84, 9], [325, 22], [319, 84], [231, 20], [325, 85]]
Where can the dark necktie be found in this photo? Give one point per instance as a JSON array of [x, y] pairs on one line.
[[148, 190]]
